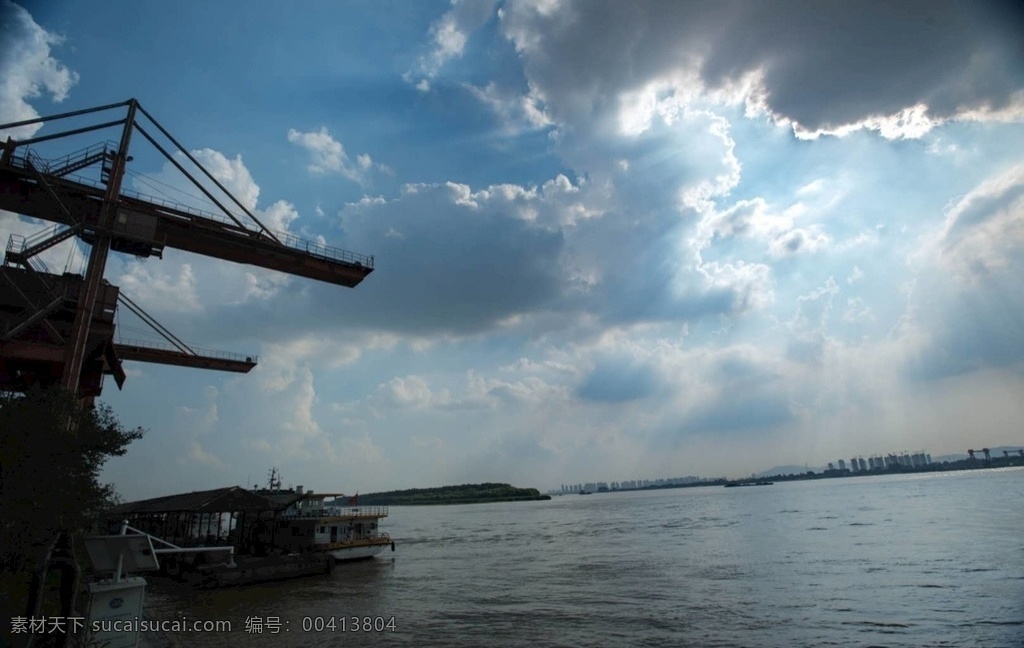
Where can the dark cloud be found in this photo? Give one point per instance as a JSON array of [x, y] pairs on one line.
[[448, 267], [825, 63], [618, 382], [736, 410], [973, 311], [441, 267], [971, 327]]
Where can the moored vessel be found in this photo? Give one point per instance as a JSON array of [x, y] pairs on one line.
[[334, 525]]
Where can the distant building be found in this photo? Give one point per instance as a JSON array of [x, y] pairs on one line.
[[863, 465], [842, 465]]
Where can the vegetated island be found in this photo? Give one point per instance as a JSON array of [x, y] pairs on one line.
[[463, 494]]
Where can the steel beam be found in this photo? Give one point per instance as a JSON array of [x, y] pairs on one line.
[[97, 261]]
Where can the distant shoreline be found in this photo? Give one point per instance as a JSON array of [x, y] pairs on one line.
[[472, 501], [946, 466]]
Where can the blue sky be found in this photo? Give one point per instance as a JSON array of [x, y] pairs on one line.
[[613, 240]]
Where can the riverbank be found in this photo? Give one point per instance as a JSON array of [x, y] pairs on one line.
[[461, 494]]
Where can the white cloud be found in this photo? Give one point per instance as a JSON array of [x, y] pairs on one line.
[[910, 123], [519, 113], [329, 156], [857, 310], [449, 35], [855, 275], [197, 454], [984, 231], [411, 392], [750, 283], [798, 240], [232, 173], [200, 420], [28, 70], [159, 292], [279, 216]]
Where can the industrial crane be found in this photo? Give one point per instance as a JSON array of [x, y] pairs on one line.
[[988, 456], [59, 329]]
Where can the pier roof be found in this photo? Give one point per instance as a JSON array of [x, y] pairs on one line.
[[218, 500]]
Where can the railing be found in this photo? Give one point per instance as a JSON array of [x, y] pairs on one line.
[[16, 243], [323, 250], [29, 160], [200, 352], [379, 539], [78, 159], [338, 511], [40, 236]]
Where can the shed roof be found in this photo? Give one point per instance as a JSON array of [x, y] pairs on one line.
[[218, 500]]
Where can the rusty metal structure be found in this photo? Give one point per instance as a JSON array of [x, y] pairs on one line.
[[59, 328]]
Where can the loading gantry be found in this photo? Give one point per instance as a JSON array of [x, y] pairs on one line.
[[59, 329]]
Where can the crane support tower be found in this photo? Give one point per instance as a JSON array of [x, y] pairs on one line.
[[59, 329]]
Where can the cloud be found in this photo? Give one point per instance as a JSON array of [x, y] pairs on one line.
[[853, 65], [754, 219], [449, 35], [201, 279], [452, 259], [329, 156], [798, 240], [27, 69], [739, 412], [518, 112], [411, 392], [984, 231], [855, 275], [973, 322], [618, 381], [157, 291], [193, 422], [200, 456], [809, 328]]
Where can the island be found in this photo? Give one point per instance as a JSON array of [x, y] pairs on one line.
[[462, 494]]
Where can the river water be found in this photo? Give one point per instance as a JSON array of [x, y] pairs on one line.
[[909, 560]]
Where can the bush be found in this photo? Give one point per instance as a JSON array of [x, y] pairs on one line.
[[51, 453]]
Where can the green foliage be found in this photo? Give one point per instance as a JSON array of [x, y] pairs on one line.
[[461, 494], [51, 453]]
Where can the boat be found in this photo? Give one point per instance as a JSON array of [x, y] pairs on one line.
[[235, 536], [584, 492], [758, 483], [335, 525]]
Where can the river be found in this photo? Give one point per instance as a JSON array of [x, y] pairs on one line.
[[934, 559]]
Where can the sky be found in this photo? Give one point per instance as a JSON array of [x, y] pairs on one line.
[[612, 240]]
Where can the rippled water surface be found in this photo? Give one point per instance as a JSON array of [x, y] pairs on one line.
[[930, 560]]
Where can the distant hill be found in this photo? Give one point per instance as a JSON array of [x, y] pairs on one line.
[[787, 470], [462, 494]]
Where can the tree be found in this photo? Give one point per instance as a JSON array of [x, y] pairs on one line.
[[51, 451]]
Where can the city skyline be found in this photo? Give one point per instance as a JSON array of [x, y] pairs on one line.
[[874, 462]]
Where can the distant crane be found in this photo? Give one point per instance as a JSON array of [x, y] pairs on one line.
[[988, 456]]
